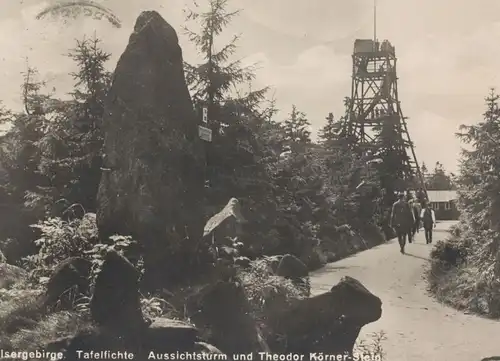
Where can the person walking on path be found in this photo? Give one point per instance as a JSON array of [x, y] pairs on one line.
[[402, 220], [429, 220], [417, 210], [411, 202]]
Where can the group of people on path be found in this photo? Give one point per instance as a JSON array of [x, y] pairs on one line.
[[407, 216]]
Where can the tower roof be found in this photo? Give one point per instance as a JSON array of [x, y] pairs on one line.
[[364, 46]]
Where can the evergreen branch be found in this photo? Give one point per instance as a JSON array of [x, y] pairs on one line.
[[192, 36], [228, 50]]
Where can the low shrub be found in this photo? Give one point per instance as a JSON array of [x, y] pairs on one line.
[[449, 253], [268, 292], [463, 270], [261, 284]]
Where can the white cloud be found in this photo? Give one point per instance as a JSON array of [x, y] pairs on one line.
[[434, 138], [313, 69], [316, 82]]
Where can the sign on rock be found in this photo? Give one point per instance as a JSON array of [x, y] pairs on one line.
[[205, 115], [205, 133]]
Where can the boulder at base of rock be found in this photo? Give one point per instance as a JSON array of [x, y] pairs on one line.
[[225, 311], [162, 336], [115, 303], [291, 267], [203, 347], [180, 336], [69, 280], [152, 182], [328, 323]]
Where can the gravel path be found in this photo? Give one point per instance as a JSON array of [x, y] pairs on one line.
[[417, 327]]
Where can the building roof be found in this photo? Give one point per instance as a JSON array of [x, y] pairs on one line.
[[442, 196]]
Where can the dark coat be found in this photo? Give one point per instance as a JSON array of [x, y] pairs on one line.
[[402, 215], [417, 209]]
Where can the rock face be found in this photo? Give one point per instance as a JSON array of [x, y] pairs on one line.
[[226, 223], [115, 303], [294, 269], [70, 278], [329, 322], [152, 181], [225, 311]]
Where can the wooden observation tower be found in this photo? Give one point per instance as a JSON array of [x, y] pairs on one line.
[[374, 121]]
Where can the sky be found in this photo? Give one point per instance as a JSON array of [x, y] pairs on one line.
[[447, 51]]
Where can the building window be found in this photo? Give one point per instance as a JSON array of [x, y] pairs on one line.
[[447, 206], [439, 206]]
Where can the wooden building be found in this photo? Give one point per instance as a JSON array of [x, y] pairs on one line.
[[444, 204]]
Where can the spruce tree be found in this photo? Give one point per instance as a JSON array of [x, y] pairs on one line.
[[237, 114], [479, 205], [72, 146], [25, 135], [296, 127], [424, 169], [329, 130], [479, 182], [439, 179], [20, 157], [218, 81]]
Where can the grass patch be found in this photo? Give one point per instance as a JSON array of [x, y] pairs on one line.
[[24, 324], [371, 349], [49, 329]]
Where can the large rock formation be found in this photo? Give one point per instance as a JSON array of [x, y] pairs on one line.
[[116, 303], [226, 223], [328, 323], [152, 181], [291, 267], [224, 311]]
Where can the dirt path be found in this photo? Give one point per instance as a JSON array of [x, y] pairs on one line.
[[417, 327]]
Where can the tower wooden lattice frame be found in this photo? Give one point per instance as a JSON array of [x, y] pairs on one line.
[[374, 105]]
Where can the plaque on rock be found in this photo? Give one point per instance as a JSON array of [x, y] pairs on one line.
[[205, 133]]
